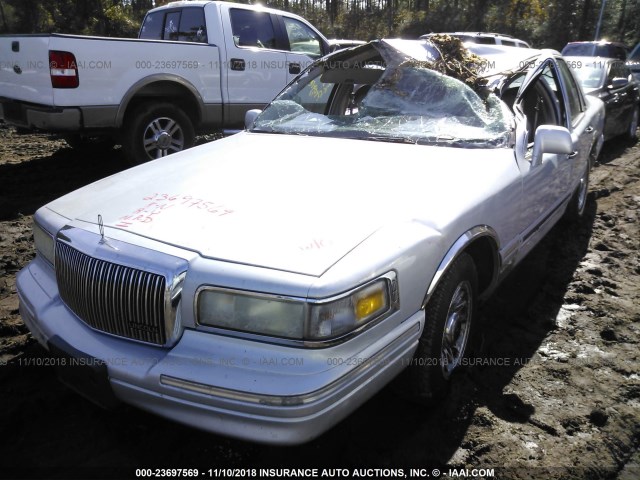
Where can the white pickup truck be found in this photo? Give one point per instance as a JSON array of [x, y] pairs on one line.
[[197, 66]]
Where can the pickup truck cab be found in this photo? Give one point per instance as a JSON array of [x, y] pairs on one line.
[[197, 66]]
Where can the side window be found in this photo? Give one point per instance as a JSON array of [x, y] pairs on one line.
[[152, 26], [486, 40], [508, 43], [466, 38], [540, 102], [301, 38], [572, 91], [187, 25], [171, 26], [252, 29], [192, 26]]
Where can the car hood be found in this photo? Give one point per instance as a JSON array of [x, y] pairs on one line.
[[286, 202]]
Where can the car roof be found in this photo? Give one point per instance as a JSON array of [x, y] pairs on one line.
[[501, 58], [487, 34], [588, 59], [598, 42], [612, 49], [501, 36]]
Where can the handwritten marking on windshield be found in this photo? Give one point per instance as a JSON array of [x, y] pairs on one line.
[[161, 202]]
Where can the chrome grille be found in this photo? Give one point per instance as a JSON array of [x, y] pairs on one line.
[[115, 299]]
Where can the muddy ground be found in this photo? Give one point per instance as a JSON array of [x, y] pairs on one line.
[[561, 400]]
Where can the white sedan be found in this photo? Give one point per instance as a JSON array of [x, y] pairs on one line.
[[265, 285]]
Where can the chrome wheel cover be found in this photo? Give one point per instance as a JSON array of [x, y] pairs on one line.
[[163, 136], [583, 190], [456, 328]]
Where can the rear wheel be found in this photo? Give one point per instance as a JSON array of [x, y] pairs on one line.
[[156, 130], [444, 344]]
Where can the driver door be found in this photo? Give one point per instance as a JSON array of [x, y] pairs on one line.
[[540, 101]]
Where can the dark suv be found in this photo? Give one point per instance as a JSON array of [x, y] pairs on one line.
[[595, 49]]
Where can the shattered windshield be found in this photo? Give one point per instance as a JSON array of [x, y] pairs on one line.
[[377, 92]]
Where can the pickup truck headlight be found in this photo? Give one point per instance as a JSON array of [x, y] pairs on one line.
[[44, 243], [295, 319]]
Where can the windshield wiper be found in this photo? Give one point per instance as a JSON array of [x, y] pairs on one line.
[[259, 130], [390, 139]]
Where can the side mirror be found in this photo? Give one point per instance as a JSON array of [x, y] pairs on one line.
[[250, 118], [550, 139], [618, 82]]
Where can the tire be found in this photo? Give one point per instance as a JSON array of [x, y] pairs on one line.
[[87, 143], [155, 130], [578, 202], [445, 341], [632, 129]]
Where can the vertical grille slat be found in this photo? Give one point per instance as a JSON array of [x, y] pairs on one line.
[[113, 298]]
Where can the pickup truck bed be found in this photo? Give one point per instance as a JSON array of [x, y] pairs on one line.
[[197, 67]]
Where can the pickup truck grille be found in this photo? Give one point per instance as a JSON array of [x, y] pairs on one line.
[[112, 298]]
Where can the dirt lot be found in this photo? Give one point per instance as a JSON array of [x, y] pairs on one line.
[[560, 400]]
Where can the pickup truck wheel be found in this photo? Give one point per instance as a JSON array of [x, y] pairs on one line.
[[578, 202], [155, 131], [445, 340]]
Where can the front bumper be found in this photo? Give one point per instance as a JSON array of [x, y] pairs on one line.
[[235, 387]]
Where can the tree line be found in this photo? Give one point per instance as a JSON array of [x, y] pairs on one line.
[[543, 23]]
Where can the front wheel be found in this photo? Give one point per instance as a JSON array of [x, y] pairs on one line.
[[156, 130], [449, 319], [578, 202]]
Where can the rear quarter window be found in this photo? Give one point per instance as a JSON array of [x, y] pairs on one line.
[[184, 25], [152, 26], [192, 26]]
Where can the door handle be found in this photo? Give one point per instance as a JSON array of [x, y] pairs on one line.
[[294, 68], [573, 154], [589, 129], [237, 64]]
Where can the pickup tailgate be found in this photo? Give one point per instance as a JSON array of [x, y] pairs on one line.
[[24, 69]]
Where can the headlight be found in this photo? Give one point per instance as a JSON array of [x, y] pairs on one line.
[[44, 243], [247, 313], [295, 319]]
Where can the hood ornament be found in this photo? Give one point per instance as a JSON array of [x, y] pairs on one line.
[[103, 239], [101, 227]]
